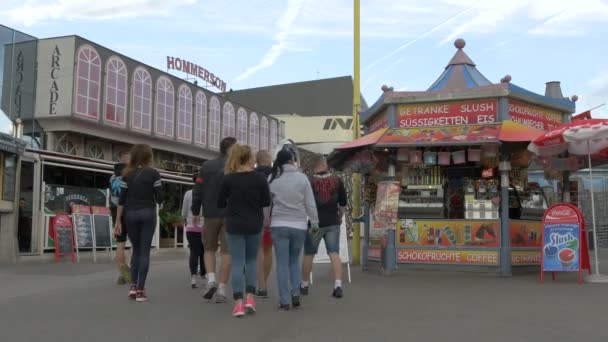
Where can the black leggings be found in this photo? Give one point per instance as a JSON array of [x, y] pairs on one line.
[[197, 252], [141, 223]]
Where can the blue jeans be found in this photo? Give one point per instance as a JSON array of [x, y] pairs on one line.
[[330, 234], [288, 243], [244, 253]]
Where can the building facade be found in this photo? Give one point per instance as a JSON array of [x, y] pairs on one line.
[[79, 105], [92, 102]]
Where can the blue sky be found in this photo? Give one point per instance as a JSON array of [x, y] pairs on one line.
[[405, 43]]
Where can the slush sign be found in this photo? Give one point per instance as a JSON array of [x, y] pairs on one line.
[[195, 70], [448, 113]]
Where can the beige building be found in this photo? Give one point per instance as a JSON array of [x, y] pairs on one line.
[[317, 114]]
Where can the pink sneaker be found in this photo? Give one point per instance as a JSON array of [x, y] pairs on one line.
[[133, 292], [250, 304], [239, 310], [141, 296]]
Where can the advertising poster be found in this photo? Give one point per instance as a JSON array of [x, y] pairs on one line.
[[448, 135], [474, 233], [525, 233], [387, 205], [561, 247], [452, 257]]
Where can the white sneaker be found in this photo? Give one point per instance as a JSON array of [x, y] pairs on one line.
[[193, 282], [220, 297]]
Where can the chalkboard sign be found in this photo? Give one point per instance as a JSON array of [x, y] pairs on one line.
[[63, 235], [103, 237], [83, 227]]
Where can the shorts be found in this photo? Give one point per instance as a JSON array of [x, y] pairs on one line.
[[122, 238], [330, 234], [214, 235], [266, 238]]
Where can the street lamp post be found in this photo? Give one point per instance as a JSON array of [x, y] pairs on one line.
[[356, 179]]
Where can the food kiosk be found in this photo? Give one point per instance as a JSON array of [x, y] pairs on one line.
[[448, 181]]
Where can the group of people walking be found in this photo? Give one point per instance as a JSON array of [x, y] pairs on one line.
[[249, 205]]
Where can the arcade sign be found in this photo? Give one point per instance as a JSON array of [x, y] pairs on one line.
[[196, 71]]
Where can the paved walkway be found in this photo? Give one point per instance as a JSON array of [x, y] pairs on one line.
[[65, 302]]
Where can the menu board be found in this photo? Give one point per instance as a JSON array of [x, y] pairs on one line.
[[63, 234], [103, 237], [83, 227], [564, 240]]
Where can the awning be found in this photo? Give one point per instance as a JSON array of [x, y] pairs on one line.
[[441, 136], [511, 131], [367, 140]]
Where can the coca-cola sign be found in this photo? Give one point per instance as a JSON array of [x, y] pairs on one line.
[[561, 213]]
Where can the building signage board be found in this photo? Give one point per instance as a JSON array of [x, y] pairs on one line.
[[534, 116], [55, 83], [19, 80], [195, 70], [451, 113]]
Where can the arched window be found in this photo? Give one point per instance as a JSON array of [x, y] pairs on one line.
[[228, 120], [264, 133], [116, 91], [254, 131], [95, 151], [273, 134], [165, 105], [67, 147], [228, 125], [141, 116], [184, 114], [214, 123], [200, 119], [241, 126], [88, 80]]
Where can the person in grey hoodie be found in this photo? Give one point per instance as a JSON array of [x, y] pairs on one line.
[[293, 206]]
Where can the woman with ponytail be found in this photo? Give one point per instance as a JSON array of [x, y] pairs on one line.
[[244, 193], [293, 205]]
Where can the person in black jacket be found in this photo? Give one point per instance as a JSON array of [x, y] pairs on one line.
[[244, 194], [140, 193], [205, 194]]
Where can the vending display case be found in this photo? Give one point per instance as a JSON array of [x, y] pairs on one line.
[[422, 201]]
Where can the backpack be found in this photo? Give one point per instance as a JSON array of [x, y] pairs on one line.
[[115, 189]]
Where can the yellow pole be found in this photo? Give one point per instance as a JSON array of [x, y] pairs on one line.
[[356, 102]]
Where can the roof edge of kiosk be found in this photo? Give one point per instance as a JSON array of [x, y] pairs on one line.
[[461, 80]]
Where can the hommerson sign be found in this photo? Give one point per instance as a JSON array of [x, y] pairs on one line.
[[195, 70]]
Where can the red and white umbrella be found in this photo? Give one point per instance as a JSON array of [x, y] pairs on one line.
[[582, 138]]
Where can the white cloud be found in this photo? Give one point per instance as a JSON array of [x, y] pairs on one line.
[[596, 95], [421, 36], [281, 39], [34, 11], [6, 126]]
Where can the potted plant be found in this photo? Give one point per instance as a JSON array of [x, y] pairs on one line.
[[169, 221]]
